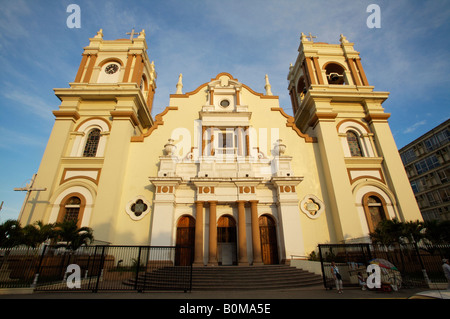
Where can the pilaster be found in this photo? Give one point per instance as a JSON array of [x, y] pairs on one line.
[[242, 237], [113, 173], [198, 257], [289, 216], [212, 261], [342, 206], [164, 210], [393, 167]]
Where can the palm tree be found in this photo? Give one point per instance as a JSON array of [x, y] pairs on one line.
[[438, 232], [10, 234], [35, 234], [413, 230], [387, 232], [73, 237]]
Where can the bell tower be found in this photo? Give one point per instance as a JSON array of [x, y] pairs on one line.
[[108, 103], [333, 102], [122, 63]]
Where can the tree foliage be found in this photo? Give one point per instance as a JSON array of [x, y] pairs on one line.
[[72, 236], [394, 231], [33, 235], [10, 234]]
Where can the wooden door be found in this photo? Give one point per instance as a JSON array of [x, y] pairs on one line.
[[269, 244], [226, 241], [184, 252]]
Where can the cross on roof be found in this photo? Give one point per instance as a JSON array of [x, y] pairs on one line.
[[29, 188], [132, 34], [311, 37]]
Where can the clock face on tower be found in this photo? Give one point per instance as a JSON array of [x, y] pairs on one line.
[[111, 68]]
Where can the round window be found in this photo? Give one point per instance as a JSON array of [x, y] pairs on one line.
[[224, 103]]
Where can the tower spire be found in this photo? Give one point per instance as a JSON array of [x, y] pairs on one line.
[[180, 84], [268, 86]]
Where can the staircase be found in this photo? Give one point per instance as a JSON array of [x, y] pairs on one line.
[[222, 278]]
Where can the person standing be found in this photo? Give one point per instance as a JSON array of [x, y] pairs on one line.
[[446, 268], [337, 277]]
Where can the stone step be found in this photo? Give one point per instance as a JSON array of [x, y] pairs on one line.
[[228, 278]]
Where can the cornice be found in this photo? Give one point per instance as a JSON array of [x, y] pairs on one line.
[[158, 121], [290, 122]]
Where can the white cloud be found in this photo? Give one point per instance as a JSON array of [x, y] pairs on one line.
[[34, 104], [11, 139], [414, 127], [10, 15]]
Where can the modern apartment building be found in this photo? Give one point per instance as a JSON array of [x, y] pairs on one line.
[[427, 164]]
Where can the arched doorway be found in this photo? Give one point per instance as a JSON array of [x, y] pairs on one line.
[[269, 244], [375, 210], [226, 241], [184, 252]]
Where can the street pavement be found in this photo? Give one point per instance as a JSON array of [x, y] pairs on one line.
[[220, 304], [314, 292]]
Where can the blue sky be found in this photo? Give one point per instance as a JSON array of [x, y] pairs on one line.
[[408, 56]]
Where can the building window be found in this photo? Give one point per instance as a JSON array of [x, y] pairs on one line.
[[443, 137], [426, 164], [415, 186], [138, 208], [225, 103], [353, 144], [90, 149], [227, 142], [408, 156], [443, 176], [434, 198], [72, 209], [445, 194], [431, 144]]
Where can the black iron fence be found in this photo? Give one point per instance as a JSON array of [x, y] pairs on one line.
[[95, 268], [401, 265]]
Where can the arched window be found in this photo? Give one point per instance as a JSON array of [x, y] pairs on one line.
[[90, 148], [301, 88], [72, 209], [71, 205], [353, 144], [91, 136], [143, 85]]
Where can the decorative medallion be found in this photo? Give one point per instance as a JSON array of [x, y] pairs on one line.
[[137, 208], [312, 206]]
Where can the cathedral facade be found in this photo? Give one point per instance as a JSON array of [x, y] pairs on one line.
[[223, 168]]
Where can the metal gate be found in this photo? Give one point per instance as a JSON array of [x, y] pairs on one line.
[[96, 268], [402, 265]]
